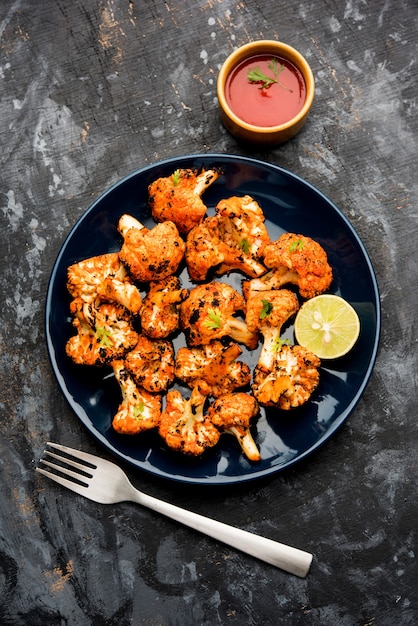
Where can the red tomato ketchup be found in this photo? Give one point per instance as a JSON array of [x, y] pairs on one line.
[[264, 103]]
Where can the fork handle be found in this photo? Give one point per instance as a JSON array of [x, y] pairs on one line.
[[278, 554]]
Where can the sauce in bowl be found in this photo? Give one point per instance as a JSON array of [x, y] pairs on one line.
[[261, 102]]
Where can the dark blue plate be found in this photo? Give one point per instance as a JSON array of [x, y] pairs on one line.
[[290, 204]]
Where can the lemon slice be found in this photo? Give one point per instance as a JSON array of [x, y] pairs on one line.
[[327, 325]]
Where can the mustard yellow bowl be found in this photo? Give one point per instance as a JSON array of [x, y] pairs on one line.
[[265, 92]]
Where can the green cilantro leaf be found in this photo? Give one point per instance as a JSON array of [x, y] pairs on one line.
[[245, 246], [176, 176], [275, 67], [256, 75], [296, 246], [104, 336], [266, 310], [214, 320], [139, 409], [279, 343]]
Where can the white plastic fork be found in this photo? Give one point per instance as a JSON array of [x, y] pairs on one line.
[[106, 483]]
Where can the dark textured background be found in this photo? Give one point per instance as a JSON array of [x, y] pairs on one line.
[[91, 90]]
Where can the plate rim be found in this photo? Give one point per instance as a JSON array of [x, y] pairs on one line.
[[262, 473]]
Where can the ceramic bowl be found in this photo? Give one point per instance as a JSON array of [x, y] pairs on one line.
[[262, 134]]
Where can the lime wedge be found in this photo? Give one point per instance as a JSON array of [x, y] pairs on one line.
[[327, 325]]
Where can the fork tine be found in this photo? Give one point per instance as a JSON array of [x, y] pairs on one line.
[[84, 468], [80, 489], [66, 471], [78, 454]]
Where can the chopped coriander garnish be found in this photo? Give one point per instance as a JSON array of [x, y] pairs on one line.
[[256, 75], [296, 246], [176, 177], [279, 343], [214, 319], [266, 310], [245, 246], [139, 409], [104, 336]]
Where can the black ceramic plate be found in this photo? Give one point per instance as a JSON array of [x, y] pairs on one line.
[[290, 204]]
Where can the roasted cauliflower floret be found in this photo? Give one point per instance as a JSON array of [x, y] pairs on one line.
[[85, 277], [160, 310], [233, 239], [103, 277], [290, 380], [177, 198], [139, 409], [150, 254], [208, 314], [151, 364], [104, 333], [123, 292], [267, 312], [204, 249], [294, 259], [183, 425], [241, 222], [213, 368], [285, 376], [233, 413]]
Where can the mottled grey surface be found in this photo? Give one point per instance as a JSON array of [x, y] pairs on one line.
[[93, 89]]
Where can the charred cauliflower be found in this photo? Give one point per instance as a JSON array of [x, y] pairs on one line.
[[160, 310], [208, 314], [151, 364], [139, 410], [285, 376], [297, 260], [213, 368], [233, 413], [177, 198], [291, 379], [104, 333], [135, 335], [233, 239], [150, 254], [104, 278], [267, 312], [184, 426]]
